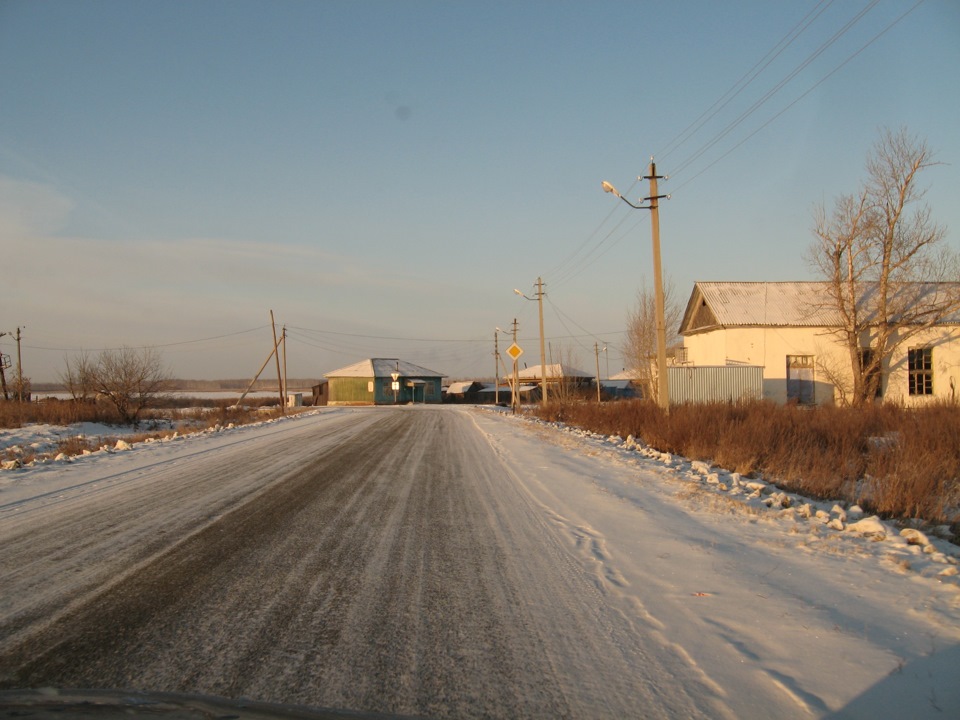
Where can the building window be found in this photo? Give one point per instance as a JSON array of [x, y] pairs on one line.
[[920, 367], [429, 389], [800, 379]]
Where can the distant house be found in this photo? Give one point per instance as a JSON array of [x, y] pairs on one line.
[[625, 384], [383, 381], [790, 331], [556, 374], [467, 391]]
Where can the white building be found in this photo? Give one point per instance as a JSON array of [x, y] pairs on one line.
[[790, 330]]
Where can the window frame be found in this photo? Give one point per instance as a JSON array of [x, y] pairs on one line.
[[920, 371]]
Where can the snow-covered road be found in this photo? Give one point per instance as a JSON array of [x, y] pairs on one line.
[[454, 563]]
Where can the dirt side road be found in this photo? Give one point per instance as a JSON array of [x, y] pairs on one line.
[[376, 561]]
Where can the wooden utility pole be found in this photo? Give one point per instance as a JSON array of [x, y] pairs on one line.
[[283, 340], [4, 364], [663, 390], [283, 410], [257, 376]]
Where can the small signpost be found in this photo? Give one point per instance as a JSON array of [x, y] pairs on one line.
[[395, 385], [515, 351]]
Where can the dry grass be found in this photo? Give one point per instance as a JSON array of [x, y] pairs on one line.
[[897, 462]]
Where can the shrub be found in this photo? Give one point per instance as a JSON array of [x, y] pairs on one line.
[[895, 461]]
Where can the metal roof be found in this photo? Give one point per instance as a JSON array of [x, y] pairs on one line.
[[800, 304], [382, 367], [556, 370], [786, 304]]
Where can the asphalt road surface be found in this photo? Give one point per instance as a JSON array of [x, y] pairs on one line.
[[379, 561]]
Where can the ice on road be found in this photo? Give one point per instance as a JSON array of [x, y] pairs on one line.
[[447, 563]]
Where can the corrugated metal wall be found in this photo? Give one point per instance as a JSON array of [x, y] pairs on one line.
[[350, 391], [703, 384]]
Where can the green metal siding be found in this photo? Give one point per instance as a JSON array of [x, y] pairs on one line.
[[355, 391], [350, 390]]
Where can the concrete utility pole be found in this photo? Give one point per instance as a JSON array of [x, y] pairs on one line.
[[663, 390], [19, 370], [543, 367], [496, 366], [596, 352]]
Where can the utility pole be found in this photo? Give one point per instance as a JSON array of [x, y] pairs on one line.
[[283, 339], [515, 399], [4, 364], [663, 391], [543, 367], [663, 388], [283, 410], [496, 366], [19, 370], [596, 353]]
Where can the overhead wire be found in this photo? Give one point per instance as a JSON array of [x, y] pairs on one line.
[[745, 80], [145, 347], [766, 97], [800, 97], [570, 260]]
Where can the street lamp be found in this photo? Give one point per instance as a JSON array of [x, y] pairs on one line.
[[663, 392], [543, 367]]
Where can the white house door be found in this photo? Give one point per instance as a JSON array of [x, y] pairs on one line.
[[800, 379]]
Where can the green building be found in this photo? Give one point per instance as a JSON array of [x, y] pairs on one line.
[[383, 381]]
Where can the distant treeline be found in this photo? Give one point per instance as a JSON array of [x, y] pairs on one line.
[[238, 385]]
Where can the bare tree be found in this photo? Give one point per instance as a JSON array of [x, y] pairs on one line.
[[130, 380], [77, 377], [640, 350], [881, 255]]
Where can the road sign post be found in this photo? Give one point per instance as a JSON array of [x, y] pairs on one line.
[[515, 351]]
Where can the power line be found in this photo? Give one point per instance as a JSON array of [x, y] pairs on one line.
[[731, 126], [144, 347], [745, 80], [802, 96]]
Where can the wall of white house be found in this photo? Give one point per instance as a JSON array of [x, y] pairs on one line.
[[771, 347], [944, 344]]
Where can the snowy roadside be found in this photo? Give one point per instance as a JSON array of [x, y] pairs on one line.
[[930, 553], [771, 601], [37, 465]]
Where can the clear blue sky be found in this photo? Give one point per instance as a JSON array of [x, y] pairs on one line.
[[382, 175]]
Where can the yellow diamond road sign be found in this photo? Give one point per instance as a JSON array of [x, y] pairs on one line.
[[515, 351]]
